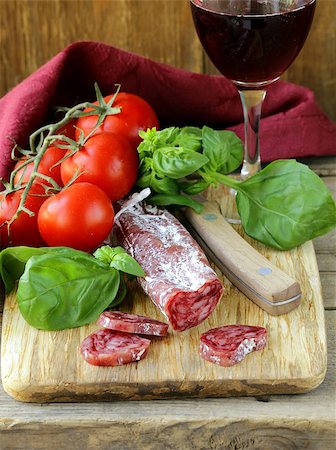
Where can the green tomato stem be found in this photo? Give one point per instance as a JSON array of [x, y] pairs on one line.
[[39, 150]]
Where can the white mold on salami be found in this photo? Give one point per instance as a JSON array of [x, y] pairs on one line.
[[178, 278]]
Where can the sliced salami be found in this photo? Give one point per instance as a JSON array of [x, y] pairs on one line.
[[228, 345], [132, 323], [113, 348], [179, 279]]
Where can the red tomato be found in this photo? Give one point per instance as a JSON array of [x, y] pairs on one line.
[[52, 156], [81, 216], [46, 167], [106, 160], [136, 114], [67, 130], [24, 229]]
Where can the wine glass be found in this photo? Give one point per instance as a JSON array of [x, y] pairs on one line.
[[252, 42]]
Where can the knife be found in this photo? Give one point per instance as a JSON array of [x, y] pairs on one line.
[[253, 274]]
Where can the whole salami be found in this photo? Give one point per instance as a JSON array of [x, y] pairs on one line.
[[113, 348], [229, 344], [179, 279], [132, 323]]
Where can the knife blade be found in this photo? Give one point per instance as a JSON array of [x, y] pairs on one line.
[[252, 273]]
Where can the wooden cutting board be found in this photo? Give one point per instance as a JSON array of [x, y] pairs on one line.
[[40, 366]]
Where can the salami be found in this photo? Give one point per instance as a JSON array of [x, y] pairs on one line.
[[179, 279], [228, 345], [113, 348], [132, 323]]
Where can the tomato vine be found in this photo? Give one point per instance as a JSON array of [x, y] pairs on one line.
[[41, 139]]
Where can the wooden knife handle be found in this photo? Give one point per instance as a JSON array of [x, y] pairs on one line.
[[259, 279]]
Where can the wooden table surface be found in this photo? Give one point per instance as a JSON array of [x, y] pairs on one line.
[[286, 422], [33, 31]]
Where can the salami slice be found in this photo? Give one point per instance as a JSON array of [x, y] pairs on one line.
[[229, 344], [132, 323], [179, 279], [113, 348]]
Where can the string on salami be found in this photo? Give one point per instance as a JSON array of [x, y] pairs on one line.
[[179, 279]]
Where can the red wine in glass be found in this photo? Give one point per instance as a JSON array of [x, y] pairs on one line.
[[252, 42]]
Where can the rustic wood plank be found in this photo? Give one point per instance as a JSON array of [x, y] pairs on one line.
[[162, 30], [153, 28], [174, 434], [325, 248], [305, 70], [324, 166], [326, 262], [275, 423], [328, 280], [331, 183], [326, 243]]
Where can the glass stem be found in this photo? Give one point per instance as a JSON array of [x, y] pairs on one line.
[[252, 102]]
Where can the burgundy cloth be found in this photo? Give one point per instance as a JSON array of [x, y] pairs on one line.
[[293, 126]]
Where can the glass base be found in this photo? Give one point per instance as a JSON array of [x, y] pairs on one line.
[[226, 199], [228, 206]]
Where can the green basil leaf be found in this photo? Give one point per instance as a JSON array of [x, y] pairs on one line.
[[166, 136], [176, 162], [193, 131], [285, 205], [190, 138], [58, 291], [194, 187], [144, 180], [180, 200], [145, 165], [164, 185], [153, 140], [223, 149], [121, 294], [14, 259], [119, 259]]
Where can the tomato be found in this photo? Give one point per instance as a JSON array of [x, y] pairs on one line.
[[106, 160], [81, 216], [46, 167], [67, 130], [136, 114], [23, 230]]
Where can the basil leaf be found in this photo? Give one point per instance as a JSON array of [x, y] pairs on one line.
[[190, 138], [146, 164], [153, 139], [181, 200], [121, 294], [285, 205], [65, 291], [119, 259], [177, 162], [144, 179], [166, 136], [14, 259], [164, 185], [223, 149], [194, 187]]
